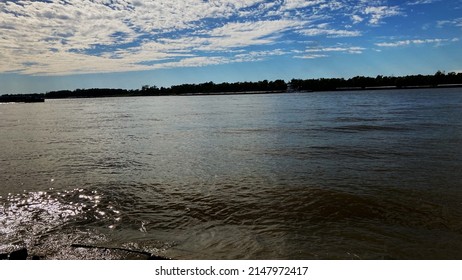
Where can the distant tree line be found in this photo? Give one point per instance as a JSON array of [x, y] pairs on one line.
[[323, 84], [146, 90], [211, 87], [22, 98], [360, 82], [87, 93]]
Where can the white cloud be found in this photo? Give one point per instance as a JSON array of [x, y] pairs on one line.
[[421, 2], [378, 13], [151, 54], [343, 49], [259, 55], [297, 4], [60, 37], [156, 16], [246, 34], [224, 38], [356, 19], [316, 31], [311, 56], [320, 52], [415, 42], [455, 22], [197, 61], [89, 36]]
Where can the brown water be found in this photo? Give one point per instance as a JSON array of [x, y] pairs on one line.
[[339, 175]]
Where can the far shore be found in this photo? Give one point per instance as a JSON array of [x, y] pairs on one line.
[[37, 98], [359, 83]]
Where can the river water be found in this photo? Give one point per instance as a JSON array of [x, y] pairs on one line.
[[333, 175]]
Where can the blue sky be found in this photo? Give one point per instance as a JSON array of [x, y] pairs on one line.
[[68, 44]]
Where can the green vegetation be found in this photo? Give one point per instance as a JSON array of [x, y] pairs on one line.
[[439, 79], [324, 84], [211, 88], [26, 98]]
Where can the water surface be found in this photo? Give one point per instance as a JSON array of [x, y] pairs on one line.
[[334, 175]]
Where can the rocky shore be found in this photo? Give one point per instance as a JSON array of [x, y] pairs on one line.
[[111, 253]]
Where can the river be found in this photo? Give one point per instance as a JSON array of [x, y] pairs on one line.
[[328, 175]]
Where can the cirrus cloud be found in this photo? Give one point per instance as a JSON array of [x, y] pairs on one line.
[[62, 37], [402, 43]]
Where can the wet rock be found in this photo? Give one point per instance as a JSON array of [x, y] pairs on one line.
[[20, 254], [155, 257], [126, 253]]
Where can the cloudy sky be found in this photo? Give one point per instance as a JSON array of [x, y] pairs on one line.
[[67, 44]]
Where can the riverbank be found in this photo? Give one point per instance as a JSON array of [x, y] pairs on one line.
[[22, 98], [81, 251], [438, 80]]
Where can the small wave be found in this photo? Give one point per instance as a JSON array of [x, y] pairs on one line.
[[357, 119], [248, 131], [339, 152], [365, 128]]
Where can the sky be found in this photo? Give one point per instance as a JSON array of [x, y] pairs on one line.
[[48, 45]]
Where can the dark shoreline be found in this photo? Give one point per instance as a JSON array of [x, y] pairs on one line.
[[22, 253], [359, 83], [335, 90], [40, 98]]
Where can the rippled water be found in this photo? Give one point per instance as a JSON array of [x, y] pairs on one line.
[[340, 175]]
